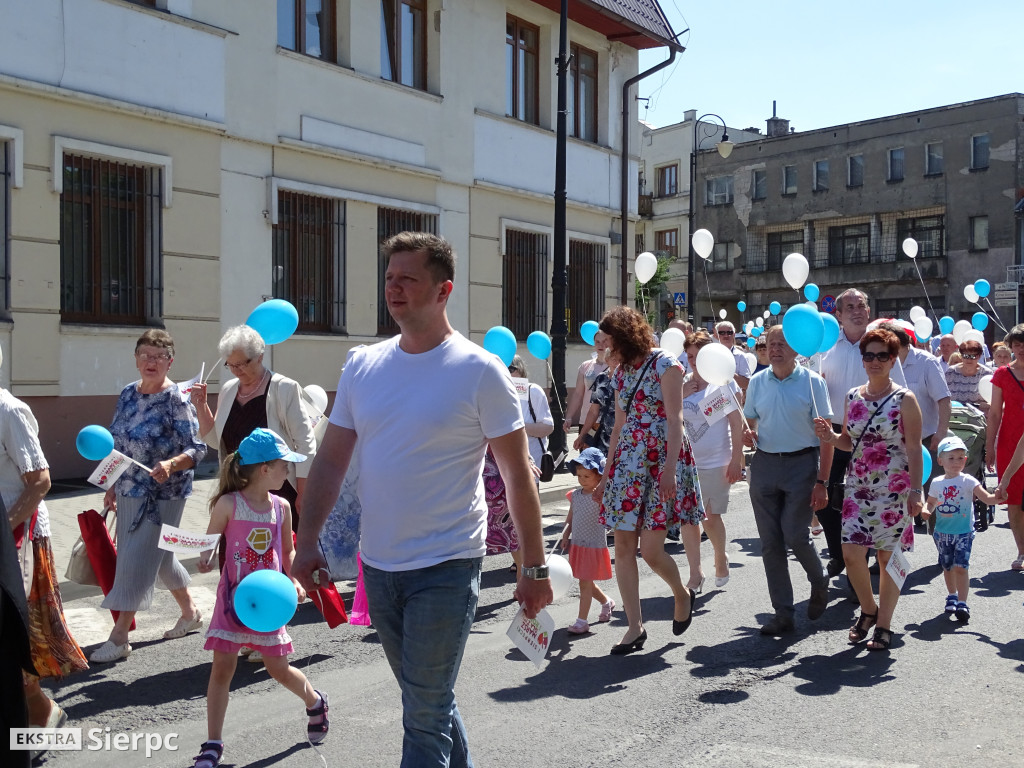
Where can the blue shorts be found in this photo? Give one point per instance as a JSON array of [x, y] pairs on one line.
[[954, 549]]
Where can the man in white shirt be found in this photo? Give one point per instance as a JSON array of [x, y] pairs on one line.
[[725, 333], [947, 346], [421, 408]]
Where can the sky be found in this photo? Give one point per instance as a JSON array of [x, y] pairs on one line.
[[829, 62]]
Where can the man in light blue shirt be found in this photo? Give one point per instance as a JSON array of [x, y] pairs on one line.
[[787, 480]]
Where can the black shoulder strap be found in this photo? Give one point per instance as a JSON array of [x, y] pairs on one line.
[[872, 418], [533, 415], [639, 381]]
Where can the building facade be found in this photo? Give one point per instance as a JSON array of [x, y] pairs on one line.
[[173, 163], [846, 197]]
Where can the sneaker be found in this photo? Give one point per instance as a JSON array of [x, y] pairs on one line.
[[316, 729], [606, 611], [963, 613], [108, 652], [951, 601], [210, 754], [578, 627]]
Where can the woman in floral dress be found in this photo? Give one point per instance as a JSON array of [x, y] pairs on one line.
[[883, 482], [650, 483], [501, 531]]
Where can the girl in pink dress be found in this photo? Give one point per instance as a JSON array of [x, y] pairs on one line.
[[251, 520]]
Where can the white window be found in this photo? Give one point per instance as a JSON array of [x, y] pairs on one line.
[[979, 151], [896, 164], [855, 171], [933, 158], [979, 233], [789, 180], [821, 175], [719, 190]]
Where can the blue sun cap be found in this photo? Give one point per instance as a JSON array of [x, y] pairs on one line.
[[264, 445]]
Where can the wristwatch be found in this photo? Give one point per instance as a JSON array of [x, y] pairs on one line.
[[536, 572], [821, 482]]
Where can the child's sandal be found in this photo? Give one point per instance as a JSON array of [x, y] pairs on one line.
[[881, 640], [860, 630], [209, 756], [317, 731]]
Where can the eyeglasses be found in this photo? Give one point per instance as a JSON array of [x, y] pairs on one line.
[[727, 333], [969, 356], [882, 357], [237, 366], [148, 358]]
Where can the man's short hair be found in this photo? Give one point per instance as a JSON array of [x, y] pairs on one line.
[[852, 291], [440, 255]]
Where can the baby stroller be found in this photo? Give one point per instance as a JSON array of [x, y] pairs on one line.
[[968, 423]]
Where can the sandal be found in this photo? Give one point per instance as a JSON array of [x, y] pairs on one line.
[[317, 731], [209, 756], [579, 627], [860, 630], [183, 626], [880, 640]]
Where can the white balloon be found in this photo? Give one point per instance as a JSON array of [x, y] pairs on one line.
[[716, 364], [645, 266], [703, 243], [916, 313], [560, 573], [722, 313], [971, 294], [749, 326], [960, 330], [985, 388], [673, 341], [923, 327], [760, 322], [318, 397], [766, 315], [975, 335], [795, 269], [910, 247]]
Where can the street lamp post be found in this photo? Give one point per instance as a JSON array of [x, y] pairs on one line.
[[724, 149]]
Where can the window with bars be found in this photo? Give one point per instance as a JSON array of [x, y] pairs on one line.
[[525, 282], [308, 26], [666, 242], [780, 245], [849, 244], [582, 112], [639, 243], [403, 42], [933, 163], [5, 225], [979, 152], [895, 164], [718, 190], [309, 259], [390, 222], [522, 74], [111, 235], [855, 171], [667, 180], [587, 264], [929, 231]]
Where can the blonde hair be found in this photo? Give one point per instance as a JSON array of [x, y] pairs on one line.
[[233, 476]]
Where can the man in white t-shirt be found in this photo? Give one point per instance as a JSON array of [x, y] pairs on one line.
[[424, 406]]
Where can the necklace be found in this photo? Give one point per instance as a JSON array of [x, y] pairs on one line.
[[244, 397], [875, 395]]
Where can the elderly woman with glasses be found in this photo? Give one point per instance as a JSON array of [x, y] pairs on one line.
[[962, 378], [257, 397], [157, 427], [883, 482]]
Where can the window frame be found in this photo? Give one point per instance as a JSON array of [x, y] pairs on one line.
[[588, 301], [662, 244], [817, 186], [930, 157], [518, 280], [328, 30], [972, 231], [849, 170], [974, 151], [783, 238], [398, 219], [393, 39], [921, 228], [890, 165], [842, 235], [577, 52], [514, 79], [720, 263], [787, 189], [715, 194], [759, 181], [666, 180]]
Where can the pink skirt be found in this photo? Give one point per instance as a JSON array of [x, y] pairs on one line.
[[590, 563], [220, 644]]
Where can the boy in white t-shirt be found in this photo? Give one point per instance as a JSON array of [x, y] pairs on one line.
[[951, 500]]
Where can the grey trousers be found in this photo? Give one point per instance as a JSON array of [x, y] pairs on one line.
[[780, 493]]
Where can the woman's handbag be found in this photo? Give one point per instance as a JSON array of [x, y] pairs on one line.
[[79, 568]]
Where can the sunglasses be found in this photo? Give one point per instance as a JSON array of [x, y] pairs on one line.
[[727, 333], [882, 357], [969, 356]]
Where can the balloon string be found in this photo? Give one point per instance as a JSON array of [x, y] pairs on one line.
[[994, 315], [814, 402], [554, 386], [708, 284], [746, 424], [926, 296]]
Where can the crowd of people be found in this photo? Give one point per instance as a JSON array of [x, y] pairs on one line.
[[842, 440]]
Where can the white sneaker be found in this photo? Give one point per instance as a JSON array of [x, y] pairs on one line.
[[108, 652]]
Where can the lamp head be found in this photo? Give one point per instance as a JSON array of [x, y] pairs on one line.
[[725, 146]]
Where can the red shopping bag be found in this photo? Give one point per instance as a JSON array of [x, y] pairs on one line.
[[100, 549], [327, 599]]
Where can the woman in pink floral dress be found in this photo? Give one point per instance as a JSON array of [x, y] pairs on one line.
[[883, 483], [650, 481]]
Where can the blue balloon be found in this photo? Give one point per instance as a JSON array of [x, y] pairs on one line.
[[983, 287], [741, 306], [979, 321], [751, 341], [539, 344], [94, 442], [811, 292], [946, 324], [588, 330], [926, 466], [803, 328], [756, 331], [831, 335], [501, 342], [775, 307], [265, 600], [274, 320]]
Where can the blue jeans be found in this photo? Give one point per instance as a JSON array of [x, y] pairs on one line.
[[423, 618]]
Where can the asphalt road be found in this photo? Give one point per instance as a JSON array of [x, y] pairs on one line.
[[721, 695]]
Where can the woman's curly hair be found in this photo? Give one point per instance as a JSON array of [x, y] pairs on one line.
[[629, 332]]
